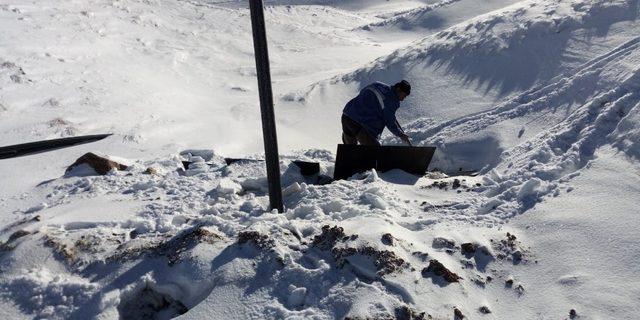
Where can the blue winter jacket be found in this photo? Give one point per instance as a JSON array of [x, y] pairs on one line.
[[370, 112]]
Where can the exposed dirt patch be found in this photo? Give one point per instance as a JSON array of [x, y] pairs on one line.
[[68, 253], [260, 241], [173, 249], [329, 237], [438, 269], [386, 262], [407, 313], [89, 243], [510, 249], [7, 246], [400, 313]]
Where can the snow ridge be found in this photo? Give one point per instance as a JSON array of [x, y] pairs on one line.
[[408, 18]]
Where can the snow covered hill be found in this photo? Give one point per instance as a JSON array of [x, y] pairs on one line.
[[542, 97]]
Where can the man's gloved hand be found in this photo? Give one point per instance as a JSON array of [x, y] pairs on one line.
[[405, 138]]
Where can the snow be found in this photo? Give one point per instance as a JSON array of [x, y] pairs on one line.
[[540, 97]]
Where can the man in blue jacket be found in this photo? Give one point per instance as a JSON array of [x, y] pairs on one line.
[[365, 116]]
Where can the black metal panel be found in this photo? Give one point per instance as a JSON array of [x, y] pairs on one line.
[[25, 149], [307, 168], [230, 161], [352, 159]]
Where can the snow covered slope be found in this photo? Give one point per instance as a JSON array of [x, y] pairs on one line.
[[496, 63], [543, 97]]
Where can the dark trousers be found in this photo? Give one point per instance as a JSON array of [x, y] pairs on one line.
[[354, 133]]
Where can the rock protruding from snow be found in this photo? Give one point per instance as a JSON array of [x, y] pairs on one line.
[[101, 165], [438, 269]]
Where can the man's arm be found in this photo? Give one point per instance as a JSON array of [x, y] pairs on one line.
[[392, 124], [404, 136]]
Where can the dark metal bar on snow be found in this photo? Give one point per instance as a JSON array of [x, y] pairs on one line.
[[266, 104], [26, 149]]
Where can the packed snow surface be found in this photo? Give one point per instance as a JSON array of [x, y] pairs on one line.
[[540, 98]]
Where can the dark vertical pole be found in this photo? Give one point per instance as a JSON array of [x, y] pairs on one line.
[[266, 104]]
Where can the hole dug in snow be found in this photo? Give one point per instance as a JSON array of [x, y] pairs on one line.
[[146, 300], [480, 152]]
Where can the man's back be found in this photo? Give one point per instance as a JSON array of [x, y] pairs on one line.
[[373, 107]]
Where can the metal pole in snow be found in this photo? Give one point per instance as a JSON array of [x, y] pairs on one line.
[[266, 104]]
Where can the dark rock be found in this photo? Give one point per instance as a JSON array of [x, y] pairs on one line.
[[440, 270], [457, 314], [456, 184], [517, 256], [7, 246], [440, 184], [484, 310], [573, 314], [508, 283], [407, 313], [439, 243], [387, 239], [468, 264], [100, 164], [422, 255], [479, 282], [468, 248], [18, 234]]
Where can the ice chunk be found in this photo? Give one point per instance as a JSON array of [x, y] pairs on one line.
[[293, 188], [375, 201], [228, 186], [296, 298]]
